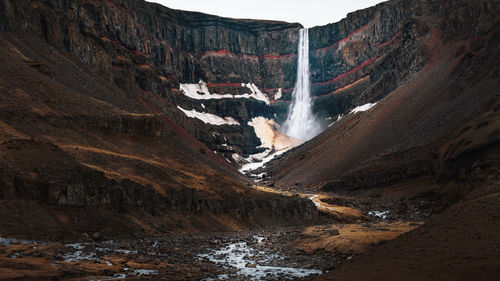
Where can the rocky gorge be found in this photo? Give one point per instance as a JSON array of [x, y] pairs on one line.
[[141, 142], [137, 45]]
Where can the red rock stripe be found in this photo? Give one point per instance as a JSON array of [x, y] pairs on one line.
[[390, 41], [342, 40], [366, 62]]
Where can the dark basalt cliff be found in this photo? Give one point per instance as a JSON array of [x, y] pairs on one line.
[[180, 46], [436, 82], [135, 44], [89, 127], [138, 44]]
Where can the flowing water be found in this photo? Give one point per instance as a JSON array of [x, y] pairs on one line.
[[301, 122], [254, 264]]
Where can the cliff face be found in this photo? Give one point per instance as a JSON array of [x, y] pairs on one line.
[[179, 46], [88, 131], [438, 73], [135, 44]]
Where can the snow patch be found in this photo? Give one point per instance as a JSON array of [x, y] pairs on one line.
[[209, 118], [259, 176], [379, 214], [238, 158], [126, 252], [338, 119], [258, 239], [9, 241], [364, 107], [200, 91], [255, 165], [312, 197], [79, 256], [256, 93], [76, 246], [143, 272], [278, 94]]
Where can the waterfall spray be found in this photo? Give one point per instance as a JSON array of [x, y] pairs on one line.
[[300, 122]]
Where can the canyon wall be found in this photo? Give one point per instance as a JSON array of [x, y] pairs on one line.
[[435, 84], [135, 44], [145, 46]]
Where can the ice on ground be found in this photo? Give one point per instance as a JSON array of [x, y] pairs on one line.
[[209, 118], [196, 91], [256, 93], [126, 251], [79, 256], [379, 214], [143, 272], [76, 246], [238, 158], [312, 197], [256, 165], [259, 239], [278, 94], [9, 241], [200, 91], [227, 146], [257, 176], [239, 256], [364, 107], [103, 250], [14, 255]]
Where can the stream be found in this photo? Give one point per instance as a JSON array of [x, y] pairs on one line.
[[250, 263]]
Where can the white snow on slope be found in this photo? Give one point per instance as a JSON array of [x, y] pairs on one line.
[[200, 91], [278, 94], [256, 93], [255, 165], [209, 118], [364, 107], [338, 119]]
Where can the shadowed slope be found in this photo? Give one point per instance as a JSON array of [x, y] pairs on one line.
[[90, 158], [406, 134]]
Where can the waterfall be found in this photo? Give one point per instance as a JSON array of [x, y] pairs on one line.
[[300, 122]]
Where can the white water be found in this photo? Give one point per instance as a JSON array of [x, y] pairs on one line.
[[240, 255], [300, 122]]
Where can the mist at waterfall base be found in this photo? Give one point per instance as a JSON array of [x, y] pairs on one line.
[[301, 123]]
